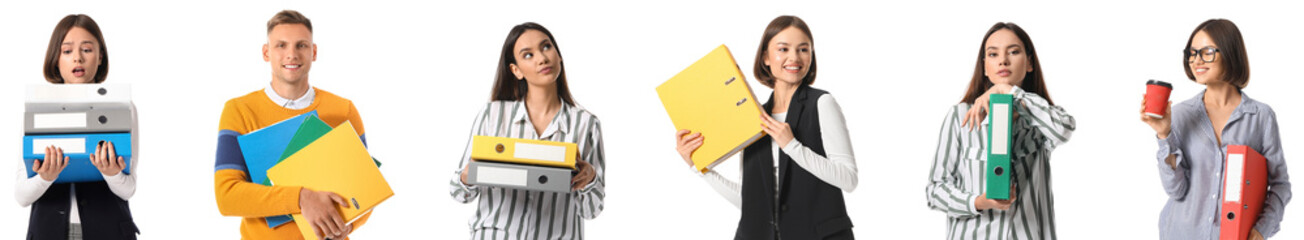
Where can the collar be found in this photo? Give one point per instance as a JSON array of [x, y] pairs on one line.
[[1247, 105], [562, 118], [296, 104]]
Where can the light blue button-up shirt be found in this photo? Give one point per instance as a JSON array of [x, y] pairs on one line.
[[1194, 187]]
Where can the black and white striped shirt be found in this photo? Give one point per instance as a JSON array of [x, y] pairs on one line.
[[960, 161], [506, 213]]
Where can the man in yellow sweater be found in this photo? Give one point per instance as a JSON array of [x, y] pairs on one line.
[[291, 51]]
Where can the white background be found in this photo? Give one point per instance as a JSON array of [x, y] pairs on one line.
[[418, 72]]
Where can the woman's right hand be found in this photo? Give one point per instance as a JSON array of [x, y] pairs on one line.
[[982, 203], [1163, 125], [687, 143], [466, 169], [54, 163]]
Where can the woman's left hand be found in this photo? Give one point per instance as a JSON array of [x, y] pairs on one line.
[[585, 175], [1255, 235], [106, 159], [780, 131], [979, 109]]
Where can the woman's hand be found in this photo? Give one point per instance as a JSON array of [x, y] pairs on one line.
[[106, 159], [979, 109], [982, 203], [1163, 125], [54, 163], [687, 143], [466, 169], [1255, 235], [780, 131], [584, 176]]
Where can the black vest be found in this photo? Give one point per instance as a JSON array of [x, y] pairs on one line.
[[807, 208], [103, 214]]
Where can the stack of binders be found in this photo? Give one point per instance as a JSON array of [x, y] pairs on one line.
[[711, 97], [305, 151], [521, 163], [263, 148], [1245, 184], [1000, 116], [77, 118], [335, 161]]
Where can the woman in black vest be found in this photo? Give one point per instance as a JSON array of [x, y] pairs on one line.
[[794, 177], [95, 210]]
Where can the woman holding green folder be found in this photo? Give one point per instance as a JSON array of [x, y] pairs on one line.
[[1006, 64], [77, 55], [530, 100], [794, 177]]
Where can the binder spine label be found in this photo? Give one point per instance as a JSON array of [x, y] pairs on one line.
[[540, 152], [69, 145], [1232, 184], [1000, 128], [59, 120], [504, 176]]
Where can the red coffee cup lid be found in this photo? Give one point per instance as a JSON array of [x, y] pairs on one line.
[[1160, 83]]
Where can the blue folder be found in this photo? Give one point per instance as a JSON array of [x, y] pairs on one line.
[[78, 148], [262, 149]]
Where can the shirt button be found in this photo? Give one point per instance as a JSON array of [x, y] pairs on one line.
[[1215, 196]]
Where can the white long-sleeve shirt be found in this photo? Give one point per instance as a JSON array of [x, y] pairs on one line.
[[838, 168], [28, 190]]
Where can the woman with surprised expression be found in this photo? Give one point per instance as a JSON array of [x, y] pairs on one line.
[[98, 209]]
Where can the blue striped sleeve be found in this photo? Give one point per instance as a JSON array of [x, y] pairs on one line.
[[228, 152]]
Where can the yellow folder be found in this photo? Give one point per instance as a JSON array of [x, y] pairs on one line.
[[711, 97], [524, 151], [337, 162]]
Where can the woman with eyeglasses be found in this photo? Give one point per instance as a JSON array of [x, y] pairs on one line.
[[1006, 64], [1193, 138]]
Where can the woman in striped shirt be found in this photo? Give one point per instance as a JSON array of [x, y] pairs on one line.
[[531, 101], [1007, 64], [1194, 135]]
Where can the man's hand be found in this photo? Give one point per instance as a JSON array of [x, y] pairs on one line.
[[318, 208]]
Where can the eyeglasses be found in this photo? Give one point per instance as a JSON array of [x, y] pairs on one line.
[[1207, 54]]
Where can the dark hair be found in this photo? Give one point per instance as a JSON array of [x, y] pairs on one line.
[[777, 25], [56, 43], [1032, 82], [1235, 64], [507, 86], [288, 17]]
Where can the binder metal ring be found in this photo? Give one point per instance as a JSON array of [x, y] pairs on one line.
[[499, 148]]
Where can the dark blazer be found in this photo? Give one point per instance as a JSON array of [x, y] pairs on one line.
[[103, 214], [807, 207]]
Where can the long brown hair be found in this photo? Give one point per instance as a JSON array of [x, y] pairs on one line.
[[56, 43], [1032, 82], [507, 86], [777, 25]]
